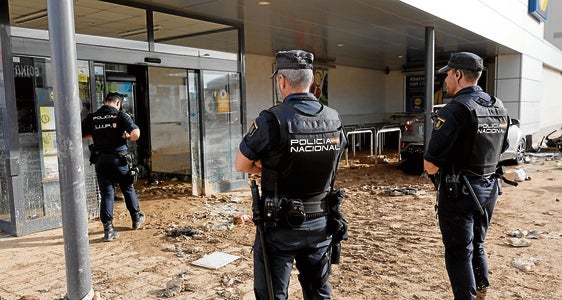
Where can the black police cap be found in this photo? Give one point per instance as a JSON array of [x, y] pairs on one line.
[[293, 59], [463, 61], [114, 94]]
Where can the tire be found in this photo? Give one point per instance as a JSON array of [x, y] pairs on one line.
[[520, 151]]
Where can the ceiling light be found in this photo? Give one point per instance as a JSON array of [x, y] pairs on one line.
[[340, 45], [129, 33], [264, 3], [31, 17]]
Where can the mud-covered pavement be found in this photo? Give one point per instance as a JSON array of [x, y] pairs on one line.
[[394, 249]]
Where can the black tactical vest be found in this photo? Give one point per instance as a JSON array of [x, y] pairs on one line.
[[481, 151], [306, 162], [108, 128]]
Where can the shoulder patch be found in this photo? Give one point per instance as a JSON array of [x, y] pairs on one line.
[[253, 128], [438, 123]]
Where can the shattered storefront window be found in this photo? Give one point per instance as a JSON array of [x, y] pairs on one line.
[[37, 136]]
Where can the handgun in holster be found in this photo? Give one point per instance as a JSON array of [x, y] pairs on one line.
[[133, 172], [337, 224]]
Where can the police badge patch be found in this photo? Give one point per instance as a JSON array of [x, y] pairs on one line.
[[438, 123]]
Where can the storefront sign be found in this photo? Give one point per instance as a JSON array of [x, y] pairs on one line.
[[539, 9], [26, 71]]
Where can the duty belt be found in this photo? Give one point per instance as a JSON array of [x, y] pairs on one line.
[[315, 209], [120, 153]]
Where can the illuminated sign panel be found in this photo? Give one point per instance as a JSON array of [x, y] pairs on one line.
[[538, 9]]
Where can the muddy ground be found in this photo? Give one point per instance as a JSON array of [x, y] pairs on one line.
[[394, 249]]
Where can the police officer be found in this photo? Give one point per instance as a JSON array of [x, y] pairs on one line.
[[296, 147], [111, 128], [468, 136]]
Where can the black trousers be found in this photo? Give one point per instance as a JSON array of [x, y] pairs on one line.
[[464, 229]]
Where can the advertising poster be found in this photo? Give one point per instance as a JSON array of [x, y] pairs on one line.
[[415, 93], [47, 117], [49, 142], [223, 101]]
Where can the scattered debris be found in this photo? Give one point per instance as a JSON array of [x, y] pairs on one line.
[[519, 242], [520, 175], [242, 220], [153, 182], [227, 281], [533, 234], [517, 233], [545, 155], [215, 260], [529, 160], [183, 274], [382, 159], [177, 249], [174, 287], [552, 140], [401, 192], [525, 265], [183, 232]]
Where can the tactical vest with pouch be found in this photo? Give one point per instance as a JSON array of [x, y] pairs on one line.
[[481, 152], [310, 148]]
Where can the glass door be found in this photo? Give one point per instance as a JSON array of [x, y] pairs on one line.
[[169, 124], [222, 130]]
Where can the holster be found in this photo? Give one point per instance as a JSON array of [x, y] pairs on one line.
[[133, 172], [293, 211], [93, 154], [452, 183], [337, 224]]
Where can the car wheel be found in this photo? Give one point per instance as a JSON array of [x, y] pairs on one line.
[[520, 152]]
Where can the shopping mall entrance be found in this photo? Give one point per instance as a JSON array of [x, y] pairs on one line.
[[183, 82]]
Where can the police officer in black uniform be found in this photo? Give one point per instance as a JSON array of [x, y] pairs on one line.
[[468, 136], [111, 128], [296, 147]]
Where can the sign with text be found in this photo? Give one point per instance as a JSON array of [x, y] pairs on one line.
[[415, 93], [539, 9]]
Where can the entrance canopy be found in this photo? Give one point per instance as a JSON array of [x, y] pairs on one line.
[[381, 35]]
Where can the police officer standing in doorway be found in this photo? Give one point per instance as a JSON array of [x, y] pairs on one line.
[[468, 136], [295, 146], [111, 128]]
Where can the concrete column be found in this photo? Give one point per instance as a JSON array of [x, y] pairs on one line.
[[518, 82]]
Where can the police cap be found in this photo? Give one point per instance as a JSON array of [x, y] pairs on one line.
[[463, 61], [293, 59], [112, 95]]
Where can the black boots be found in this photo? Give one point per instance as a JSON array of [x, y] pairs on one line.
[[108, 232], [137, 218]]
